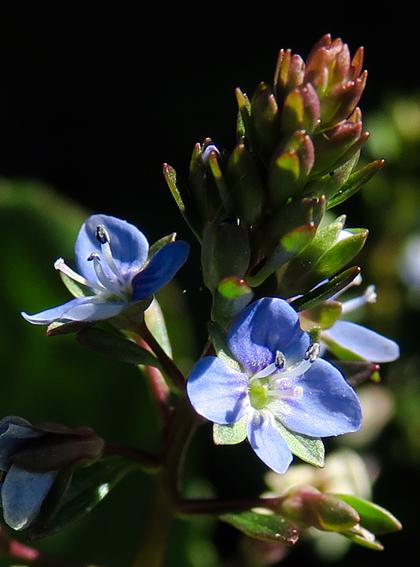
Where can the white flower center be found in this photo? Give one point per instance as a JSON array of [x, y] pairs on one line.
[[270, 386]]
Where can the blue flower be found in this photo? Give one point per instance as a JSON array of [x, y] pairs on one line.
[[113, 265], [22, 492], [279, 379], [357, 339]]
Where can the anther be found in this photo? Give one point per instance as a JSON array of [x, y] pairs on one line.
[[102, 235], [93, 256], [313, 352], [280, 360]]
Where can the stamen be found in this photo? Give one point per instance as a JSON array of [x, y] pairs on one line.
[[313, 352], [61, 266], [100, 274], [369, 296], [297, 369], [280, 360], [267, 371], [355, 282], [102, 235]]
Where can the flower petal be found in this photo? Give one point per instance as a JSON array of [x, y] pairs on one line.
[[217, 392], [264, 327], [14, 432], [267, 442], [160, 270], [363, 341], [128, 244], [327, 404], [22, 495], [79, 309]]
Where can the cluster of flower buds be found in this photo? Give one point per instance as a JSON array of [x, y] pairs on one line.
[[258, 207]]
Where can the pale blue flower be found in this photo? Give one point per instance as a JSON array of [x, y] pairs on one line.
[[280, 379], [359, 340], [113, 266], [22, 492]]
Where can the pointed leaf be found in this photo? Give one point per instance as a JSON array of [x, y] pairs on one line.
[[326, 290], [155, 322], [301, 109], [74, 288], [373, 517], [308, 449], [246, 185], [266, 527], [341, 253], [265, 118], [356, 182], [231, 434], [290, 245], [323, 316], [363, 537], [171, 179], [232, 295], [225, 252], [245, 123], [156, 246]]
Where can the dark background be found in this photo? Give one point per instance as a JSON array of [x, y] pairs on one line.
[[93, 106]]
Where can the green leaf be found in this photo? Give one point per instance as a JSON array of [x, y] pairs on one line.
[[155, 322], [74, 288], [308, 449], [115, 346], [373, 517], [225, 252], [244, 122], [323, 316], [303, 264], [156, 246], [341, 253], [172, 181], [231, 434], [231, 297], [325, 238], [265, 118], [363, 537], [88, 487], [301, 109], [245, 184], [355, 182], [218, 339], [266, 527], [327, 290]]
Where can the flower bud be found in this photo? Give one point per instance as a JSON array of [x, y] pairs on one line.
[[32, 458], [308, 507], [225, 252]]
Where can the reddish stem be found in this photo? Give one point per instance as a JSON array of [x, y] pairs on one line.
[[157, 384]]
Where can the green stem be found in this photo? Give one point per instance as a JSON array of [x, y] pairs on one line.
[[179, 435], [211, 507], [167, 486], [159, 520]]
